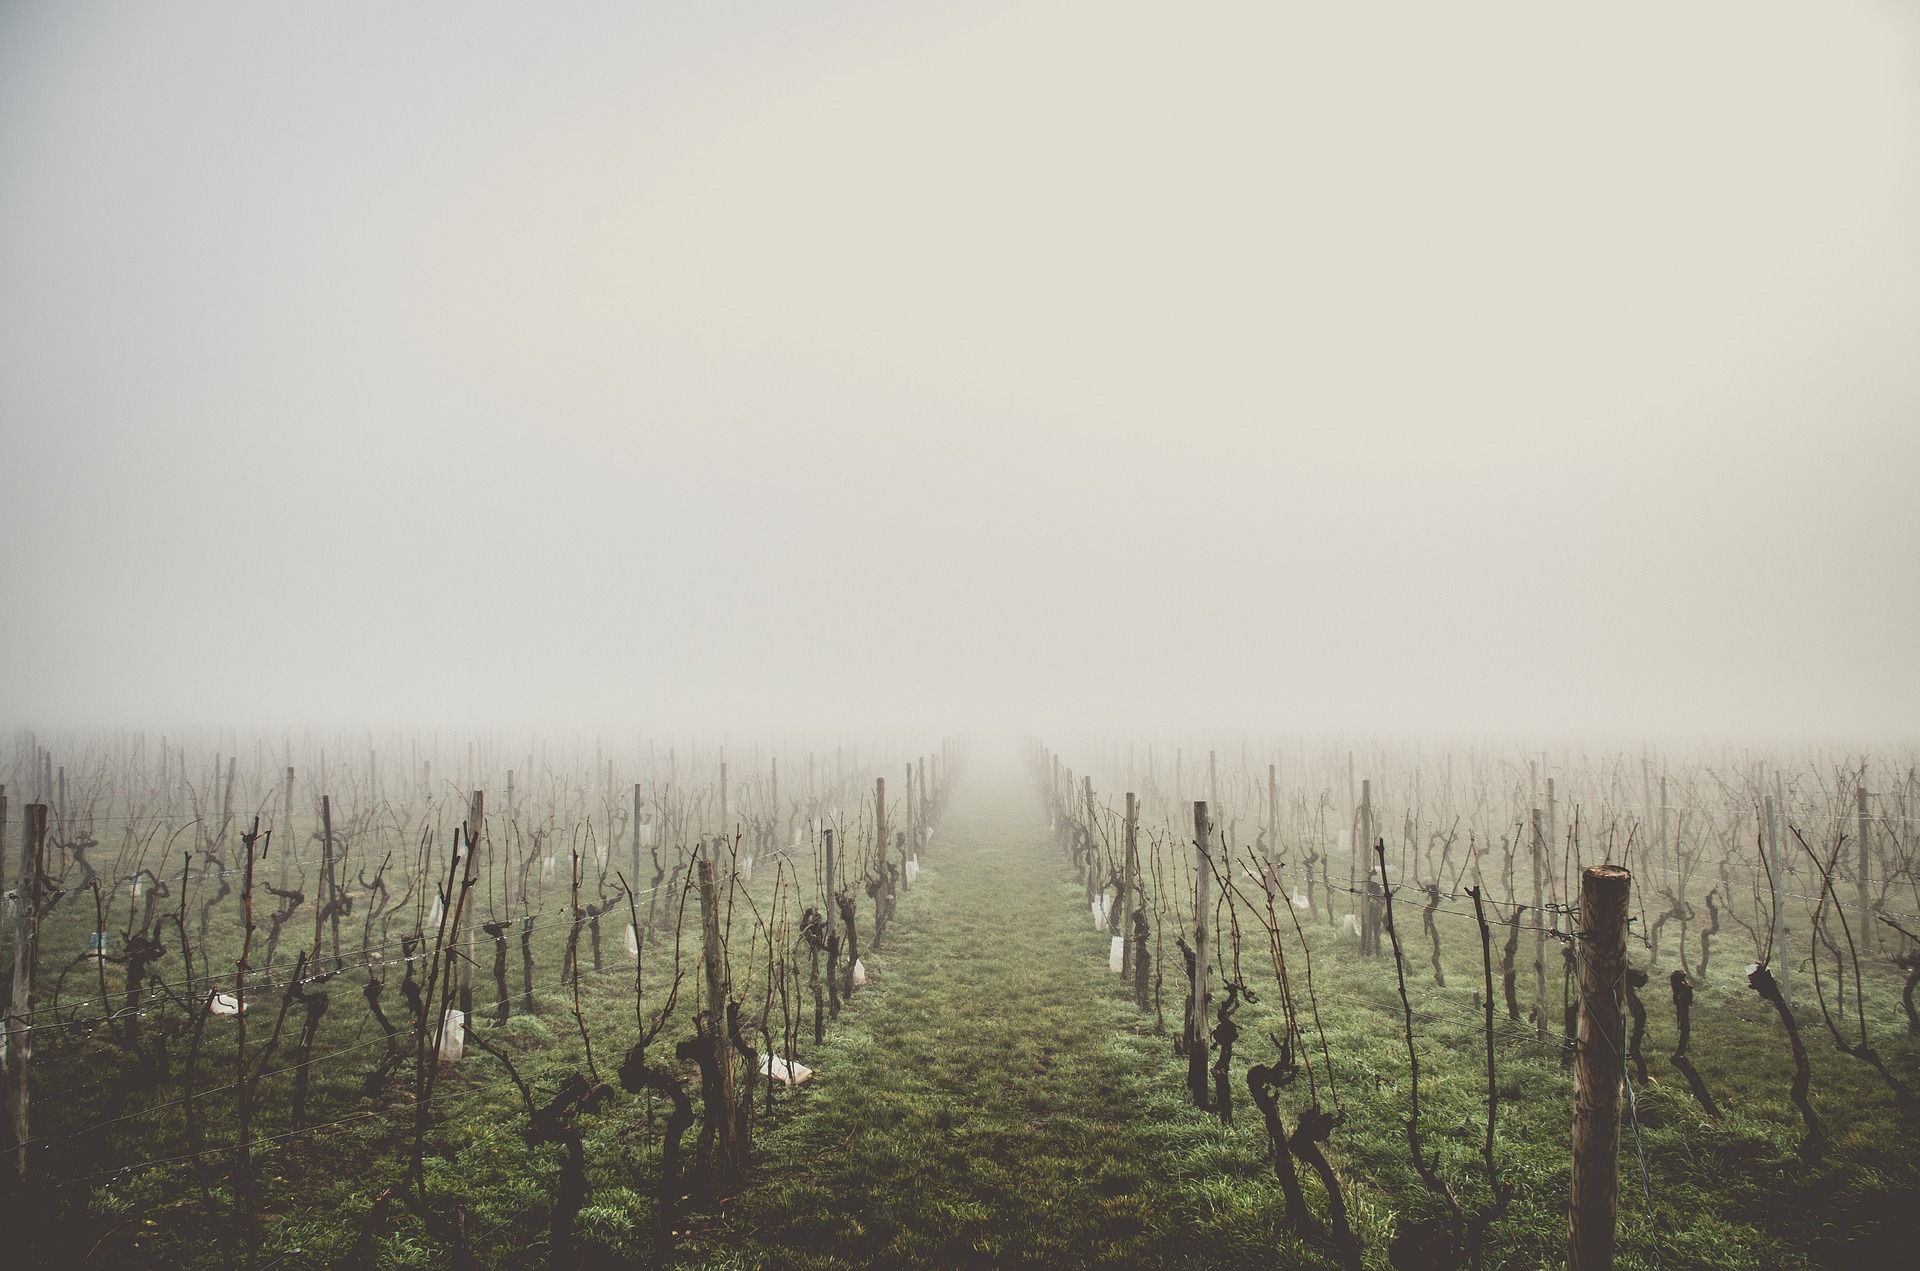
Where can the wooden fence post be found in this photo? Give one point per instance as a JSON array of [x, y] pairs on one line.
[[913, 831], [880, 836], [1129, 876], [1781, 961], [1539, 932], [1096, 885], [1202, 910], [288, 843], [26, 956], [1864, 927], [714, 955], [323, 884], [636, 838], [1598, 1067], [476, 819], [1368, 902], [1273, 812]]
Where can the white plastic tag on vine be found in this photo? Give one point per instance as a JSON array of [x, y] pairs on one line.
[[223, 1004], [859, 973], [784, 1071], [1117, 956], [633, 943], [453, 1038]]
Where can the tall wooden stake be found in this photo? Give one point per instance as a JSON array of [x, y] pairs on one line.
[[1598, 1068], [1864, 927], [1129, 887], [288, 843], [1202, 910], [636, 876], [1539, 931], [26, 955], [1780, 961], [880, 837], [323, 888], [714, 954], [476, 820]]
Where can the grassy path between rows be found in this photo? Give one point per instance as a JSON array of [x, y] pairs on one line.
[[988, 1101]]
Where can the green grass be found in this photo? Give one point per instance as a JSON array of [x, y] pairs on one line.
[[992, 1098], [1000, 1102]]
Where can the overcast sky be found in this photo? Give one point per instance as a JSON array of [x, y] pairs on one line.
[[1398, 366]]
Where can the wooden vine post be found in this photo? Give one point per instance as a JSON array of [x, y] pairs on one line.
[[325, 883], [1129, 887], [1372, 889], [26, 955], [1539, 931], [287, 839], [1865, 925], [1778, 961], [880, 836], [1202, 909], [636, 876], [714, 955], [476, 818], [830, 934], [1273, 812], [1096, 884], [1599, 1067]]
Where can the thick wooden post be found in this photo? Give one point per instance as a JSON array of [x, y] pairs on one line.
[[26, 955], [1369, 904], [1553, 842], [288, 843], [1539, 931], [636, 876], [323, 885], [476, 819], [1096, 885], [1202, 911], [827, 835], [719, 990], [1598, 1068], [913, 830], [1129, 886], [881, 838], [1213, 781], [1863, 928], [1780, 962], [1273, 812], [1666, 851]]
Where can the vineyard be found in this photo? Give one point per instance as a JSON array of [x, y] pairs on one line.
[[860, 636], [878, 1004]]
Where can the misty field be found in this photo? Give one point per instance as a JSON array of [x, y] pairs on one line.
[[551, 1018], [1050, 634]]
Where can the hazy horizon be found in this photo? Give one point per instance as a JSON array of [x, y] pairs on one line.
[[1480, 369]]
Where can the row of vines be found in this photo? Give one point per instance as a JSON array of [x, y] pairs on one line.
[[239, 992], [1761, 891]]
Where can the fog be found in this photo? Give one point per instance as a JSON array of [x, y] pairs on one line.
[[1504, 367]]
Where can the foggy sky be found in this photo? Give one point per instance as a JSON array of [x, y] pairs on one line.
[[1402, 366]]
